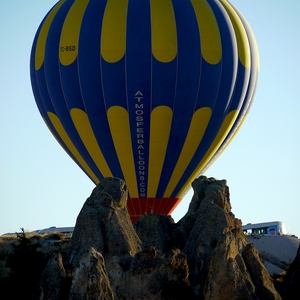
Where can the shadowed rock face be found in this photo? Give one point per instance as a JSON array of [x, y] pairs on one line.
[[292, 279], [203, 256], [90, 280], [53, 277]]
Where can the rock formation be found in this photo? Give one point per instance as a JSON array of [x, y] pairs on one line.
[[53, 277], [90, 280], [220, 262], [203, 256], [104, 223], [292, 279]]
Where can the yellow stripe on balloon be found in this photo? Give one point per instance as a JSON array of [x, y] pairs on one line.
[[164, 35], [222, 134], [85, 131], [221, 150], [195, 134], [160, 126], [64, 136], [211, 47], [120, 131], [241, 35], [41, 42], [68, 46], [113, 37]]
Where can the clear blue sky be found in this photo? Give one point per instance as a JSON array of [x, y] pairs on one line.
[[42, 187]]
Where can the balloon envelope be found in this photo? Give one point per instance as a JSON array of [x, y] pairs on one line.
[[147, 91]]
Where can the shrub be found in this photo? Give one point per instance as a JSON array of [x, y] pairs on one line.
[[25, 264]]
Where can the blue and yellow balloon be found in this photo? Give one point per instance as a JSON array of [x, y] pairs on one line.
[[150, 91]]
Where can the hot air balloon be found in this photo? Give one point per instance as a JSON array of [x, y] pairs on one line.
[[147, 91]]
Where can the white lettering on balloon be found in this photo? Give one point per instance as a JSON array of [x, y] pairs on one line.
[[139, 121]]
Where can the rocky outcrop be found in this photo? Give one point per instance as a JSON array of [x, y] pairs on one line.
[[104, 223], [155, 230], [259, 275], [203, 256], [217, 248], [53, 277], [151, 276], [90, 280], [292, 279]]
